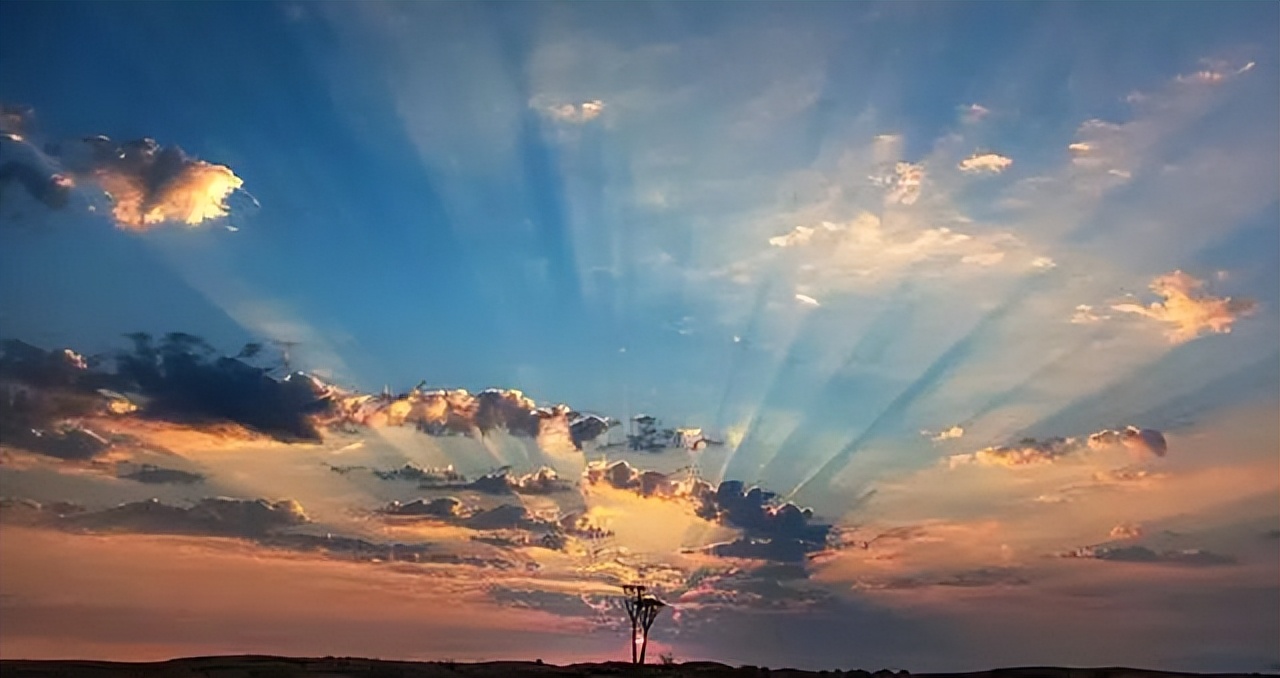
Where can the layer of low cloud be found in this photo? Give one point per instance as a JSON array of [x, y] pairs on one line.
[[214, 516], [1142, 554], [180, 378], [1033, 451]]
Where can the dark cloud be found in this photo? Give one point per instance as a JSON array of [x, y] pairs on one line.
[[180, 378], [443, 507], [512, 526], [1029, 451], [40, 391], [429, 477], [607, 610], [362, 550], [185, 382], [451, 509], [215, 516], [1142, 554], [501, 482], [977, 578], [773, 530], [264, 523], [149, 473]]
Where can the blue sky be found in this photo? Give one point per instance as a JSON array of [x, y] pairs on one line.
[[816, 229]]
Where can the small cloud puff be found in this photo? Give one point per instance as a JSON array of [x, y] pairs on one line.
[[985, 162], [1187, 309], [903, 181], [578, 113], [807, 300], [1085, 315], [945, 434], [973, 113], [1126, 531]]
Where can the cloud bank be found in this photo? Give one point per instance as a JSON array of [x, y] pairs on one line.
[[1033, 451]]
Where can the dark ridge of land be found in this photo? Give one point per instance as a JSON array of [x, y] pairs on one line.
[[344, 667]]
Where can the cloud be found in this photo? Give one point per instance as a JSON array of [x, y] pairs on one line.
[[576, 113], [15, 119], [532, 530], [951, 433], [151, 474], [458, 412], [184, 382], [1085, 315], [985, 162], [772, 530], [1142, 554], [1033, 451], [973, 113], [1214, 72], [868, 249], [179, 379], [214, 516], [982, 577], [807, 300], [903, 180], [1190, 311], [1126, 531], [142, 184], [1143, 440]]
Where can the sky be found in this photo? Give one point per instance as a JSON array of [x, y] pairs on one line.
[[989, 289]]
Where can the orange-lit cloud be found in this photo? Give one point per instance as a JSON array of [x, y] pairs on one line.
[[1188, 309], [150, 185], [439, 412], [1032, 451]]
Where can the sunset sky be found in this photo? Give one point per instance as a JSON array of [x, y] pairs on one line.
[[991, 288]]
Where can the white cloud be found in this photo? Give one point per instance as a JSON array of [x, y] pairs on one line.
[[902, 179], [1085, 315], [867, 250], [951, 433], [578, 113], [807, 300], [1189, 310], [973, 113], [985, 162], [1214, 72]]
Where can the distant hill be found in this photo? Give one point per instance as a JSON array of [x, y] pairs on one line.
[[341, 667]]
